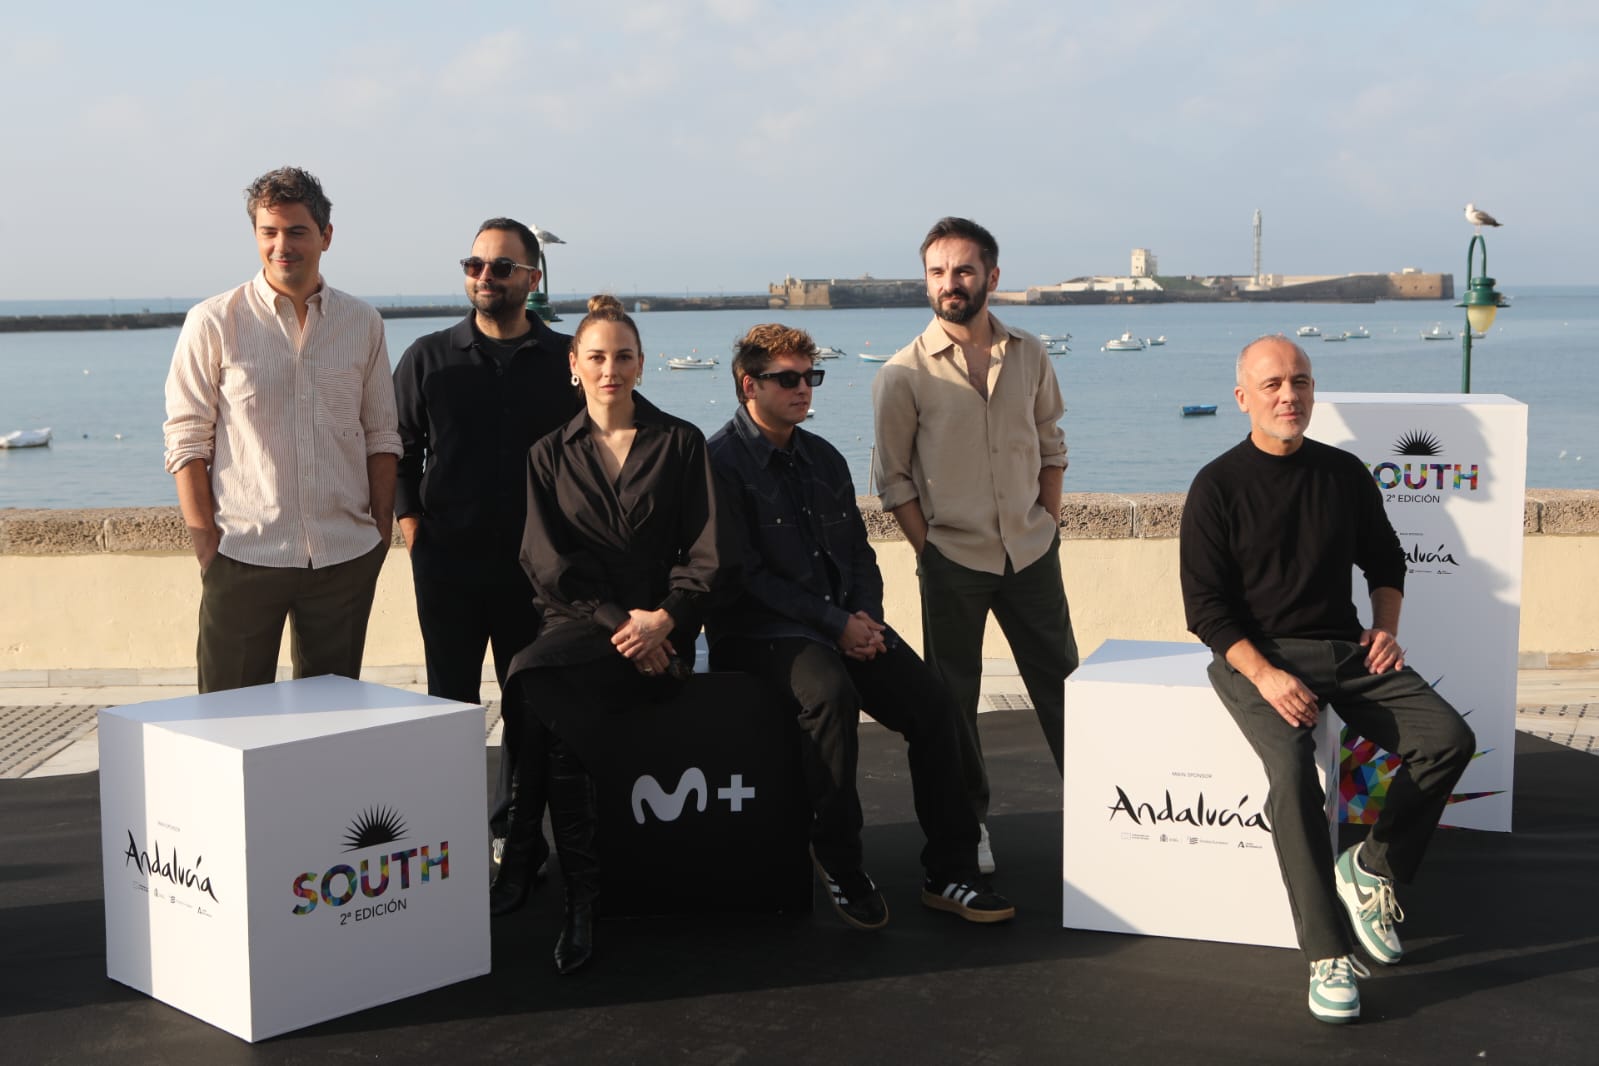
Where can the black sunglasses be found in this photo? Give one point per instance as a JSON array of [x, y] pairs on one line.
[[500, 268], [789, 379]]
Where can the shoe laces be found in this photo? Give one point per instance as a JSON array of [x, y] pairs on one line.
[[1340, 971], [1382, 907]]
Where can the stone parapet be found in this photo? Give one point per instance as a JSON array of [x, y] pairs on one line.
[[1083, 516]]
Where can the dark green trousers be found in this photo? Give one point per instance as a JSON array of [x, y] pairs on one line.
[[243, 609], [1030, 606]]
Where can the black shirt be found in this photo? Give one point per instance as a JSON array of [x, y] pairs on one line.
[[795, 530], [466, 420], [595, 550], [1269, 542]]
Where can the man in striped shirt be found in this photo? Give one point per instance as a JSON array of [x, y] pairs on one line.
[[281, 435]]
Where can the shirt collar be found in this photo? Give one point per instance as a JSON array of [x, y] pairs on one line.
[[465, 333], [644, 414], [270, 296], [763, 449], [934, 341]]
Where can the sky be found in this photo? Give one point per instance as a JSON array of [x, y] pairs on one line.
[[721, 145]]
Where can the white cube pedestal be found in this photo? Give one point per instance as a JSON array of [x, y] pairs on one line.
[[281, 855], [1164, 830]]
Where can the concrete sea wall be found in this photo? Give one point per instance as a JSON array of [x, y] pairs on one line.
[[110, 596]]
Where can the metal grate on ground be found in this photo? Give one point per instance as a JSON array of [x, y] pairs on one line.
[[1008, 701], [1571, 725], [31, 735]]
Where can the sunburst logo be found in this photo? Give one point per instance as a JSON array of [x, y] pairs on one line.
[[1418, 443], [373, 828]]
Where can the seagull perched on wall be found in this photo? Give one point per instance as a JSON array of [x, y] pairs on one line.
[[1479, 218], [546, 237]]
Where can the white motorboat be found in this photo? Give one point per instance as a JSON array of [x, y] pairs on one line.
[[874, 357], [1155, 342], [1125, 343], [1359, 333], [828, 352], [1307, 331], [690, 362], [26, 438], [1339, 337], [1437, 333]]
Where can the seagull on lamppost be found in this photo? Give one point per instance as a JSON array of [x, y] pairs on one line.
[[1479, 218], [546, 237]]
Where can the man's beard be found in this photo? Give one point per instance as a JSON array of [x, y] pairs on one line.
[[960, 314]]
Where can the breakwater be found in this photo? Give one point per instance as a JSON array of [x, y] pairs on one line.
[[168, 319]]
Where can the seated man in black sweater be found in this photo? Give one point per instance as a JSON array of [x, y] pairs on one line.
[[809, 617], [1270, 532]]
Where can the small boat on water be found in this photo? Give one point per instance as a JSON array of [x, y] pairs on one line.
[[1125, 343], [1359, 333], [874, 357], [26, 438], [690, 362], [1155, 342], [1307, 331], [828, 352], [1191, 410], [1437, 333], [1056, 346], [1334, 337]]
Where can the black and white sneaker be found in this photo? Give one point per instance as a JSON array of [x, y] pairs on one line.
[[970, 902], [854, 897]]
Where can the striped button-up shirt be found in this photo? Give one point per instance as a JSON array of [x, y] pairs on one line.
[[972, 462], [286, 416]]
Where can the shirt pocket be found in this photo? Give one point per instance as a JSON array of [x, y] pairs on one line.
[[338, 397]]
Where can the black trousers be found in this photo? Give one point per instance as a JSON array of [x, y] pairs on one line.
[[460, 620], [902, 693], [1397, 710], [1030, 606]]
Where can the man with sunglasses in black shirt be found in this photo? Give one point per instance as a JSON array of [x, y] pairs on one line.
[[809, 617], [472, 400]]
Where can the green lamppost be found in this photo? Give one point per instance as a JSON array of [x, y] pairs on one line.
[[1481, 302], [538, 301]]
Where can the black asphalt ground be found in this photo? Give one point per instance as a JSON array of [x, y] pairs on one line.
[[1502, 965]]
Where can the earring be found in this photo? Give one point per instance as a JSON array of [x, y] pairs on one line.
[[574, 380]]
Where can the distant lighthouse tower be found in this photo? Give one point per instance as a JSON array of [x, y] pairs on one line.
[[1257, 246]]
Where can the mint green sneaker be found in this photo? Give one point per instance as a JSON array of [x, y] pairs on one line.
[[1334, 995], [1373, 908]]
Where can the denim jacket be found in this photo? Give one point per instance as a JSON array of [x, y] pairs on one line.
[[796, 534]]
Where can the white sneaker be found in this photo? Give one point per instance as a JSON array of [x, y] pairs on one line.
[[1334, 995], [985, 851]]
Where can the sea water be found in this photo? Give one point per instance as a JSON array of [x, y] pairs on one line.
[[102, 392]]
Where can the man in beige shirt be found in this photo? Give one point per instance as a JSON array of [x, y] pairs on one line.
[[281, 435], [970, 457]]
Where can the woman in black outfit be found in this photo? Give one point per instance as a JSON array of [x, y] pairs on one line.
[[620, 545]]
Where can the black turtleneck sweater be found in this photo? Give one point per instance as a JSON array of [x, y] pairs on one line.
[[1268, 543]]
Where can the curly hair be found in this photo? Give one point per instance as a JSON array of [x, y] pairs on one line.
[[754, 352], [289, 185]]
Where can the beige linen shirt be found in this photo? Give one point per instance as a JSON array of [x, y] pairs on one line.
[[286, 418], [972, 463]]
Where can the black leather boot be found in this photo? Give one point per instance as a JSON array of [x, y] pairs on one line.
[[522, 863], [574, 818]]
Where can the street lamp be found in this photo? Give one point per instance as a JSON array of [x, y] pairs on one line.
[[1482, 302]]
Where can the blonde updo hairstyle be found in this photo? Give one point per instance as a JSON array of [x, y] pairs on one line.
[[606, 308]]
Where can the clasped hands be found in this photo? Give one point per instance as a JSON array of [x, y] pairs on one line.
[[862, 638], [642, 640]]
